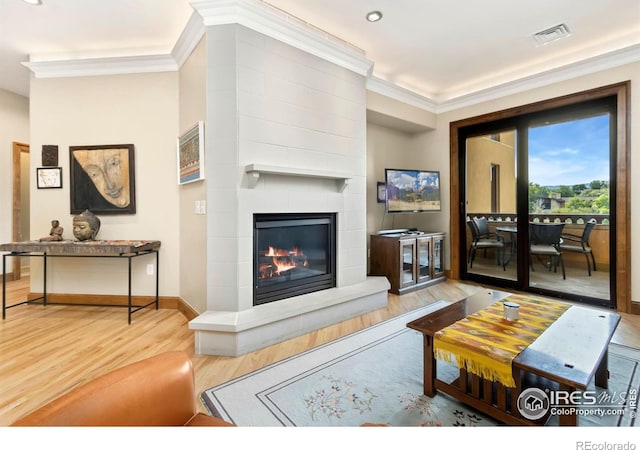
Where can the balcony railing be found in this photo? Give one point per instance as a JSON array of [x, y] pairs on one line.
[[574, 224], [601, 219]]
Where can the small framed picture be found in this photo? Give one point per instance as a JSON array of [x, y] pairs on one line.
[[382, 192], [191, 155], [49, 177]]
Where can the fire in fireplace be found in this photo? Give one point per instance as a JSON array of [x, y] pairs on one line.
[[294, 254], [279, 262]]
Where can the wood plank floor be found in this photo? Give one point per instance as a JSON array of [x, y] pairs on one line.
[[47, 351]]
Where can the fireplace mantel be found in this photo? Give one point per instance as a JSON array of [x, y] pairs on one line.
[[255, 171]]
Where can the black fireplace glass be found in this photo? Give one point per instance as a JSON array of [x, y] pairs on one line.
[[294, 254]]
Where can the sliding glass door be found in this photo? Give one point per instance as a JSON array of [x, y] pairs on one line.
[[491, 204], [537, 201], [569, 186]]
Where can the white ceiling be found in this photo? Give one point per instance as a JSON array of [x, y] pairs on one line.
[[439, 49]]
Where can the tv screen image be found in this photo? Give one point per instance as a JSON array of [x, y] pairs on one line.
[[412, 190]]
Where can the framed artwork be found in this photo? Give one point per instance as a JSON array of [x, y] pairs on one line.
[[49, 177], [191, 155], [382, 192], [102, 179], [50, 155]]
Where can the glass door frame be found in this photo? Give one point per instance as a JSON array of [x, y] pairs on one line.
[[620, 194], [521, 126], [478, 130]]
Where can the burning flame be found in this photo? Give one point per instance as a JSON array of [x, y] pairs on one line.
[[279, 252], [283, 261], [283, 266]]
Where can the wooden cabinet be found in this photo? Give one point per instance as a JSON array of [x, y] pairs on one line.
[[409, 261]]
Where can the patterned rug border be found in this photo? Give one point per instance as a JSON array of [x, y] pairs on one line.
[[281, 374], [218, 410]]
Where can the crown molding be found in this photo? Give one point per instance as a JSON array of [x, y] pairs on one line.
[[189, 39], [102, 66], [253, 14], [278, 24], [588, 66], [395, 92]]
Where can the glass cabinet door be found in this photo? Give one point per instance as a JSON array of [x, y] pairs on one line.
[[438, 255], [407, 263], [424, 258]]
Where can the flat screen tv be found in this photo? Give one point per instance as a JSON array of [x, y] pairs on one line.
[[412, 191]]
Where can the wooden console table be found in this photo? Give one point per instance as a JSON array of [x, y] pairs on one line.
[[87, 249]]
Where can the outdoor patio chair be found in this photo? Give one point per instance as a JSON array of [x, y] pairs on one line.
[[580, 244], [483, 239], [544, 241]]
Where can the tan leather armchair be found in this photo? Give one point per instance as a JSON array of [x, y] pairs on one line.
[[157, 391]]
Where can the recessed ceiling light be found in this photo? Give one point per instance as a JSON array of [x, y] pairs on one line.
[[33, 2], [374, 16]]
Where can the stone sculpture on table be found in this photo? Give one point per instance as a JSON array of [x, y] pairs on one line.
[[86, 226], [56, 232]]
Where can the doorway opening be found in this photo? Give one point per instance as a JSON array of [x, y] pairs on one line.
[[20, 225]]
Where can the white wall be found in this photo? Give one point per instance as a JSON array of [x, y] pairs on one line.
[[122, 109], [14, 127], [193, 227], [392, 113], [388, 148]]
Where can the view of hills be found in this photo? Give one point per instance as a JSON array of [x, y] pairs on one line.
[[591, 198]]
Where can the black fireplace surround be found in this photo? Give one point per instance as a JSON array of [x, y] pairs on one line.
[[293, 254]]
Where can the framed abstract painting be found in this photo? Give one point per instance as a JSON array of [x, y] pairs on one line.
[[102, 179]]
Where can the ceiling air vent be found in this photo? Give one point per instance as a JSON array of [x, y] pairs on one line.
[[551, 34]]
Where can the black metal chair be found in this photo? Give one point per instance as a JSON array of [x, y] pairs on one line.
[[580, 244], [544, 241], [483, 239]]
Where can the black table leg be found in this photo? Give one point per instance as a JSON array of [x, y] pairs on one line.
[[4, 286], [129, 294], [44, 281], [157, 277]]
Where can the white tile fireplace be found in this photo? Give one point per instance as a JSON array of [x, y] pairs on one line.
[[286, 133]]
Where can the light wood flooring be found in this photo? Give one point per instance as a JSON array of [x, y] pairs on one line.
[[49, 350]]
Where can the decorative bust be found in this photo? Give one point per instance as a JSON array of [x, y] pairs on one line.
[[56, 232], [86, 226]]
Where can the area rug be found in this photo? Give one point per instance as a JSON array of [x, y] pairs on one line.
[[375, 376]]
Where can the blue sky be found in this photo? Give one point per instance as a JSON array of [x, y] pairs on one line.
[[569, 153]]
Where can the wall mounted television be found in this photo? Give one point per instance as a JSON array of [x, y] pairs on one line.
[[412, 191]]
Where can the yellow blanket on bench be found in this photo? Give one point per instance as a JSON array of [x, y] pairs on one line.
[[485, 344]]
